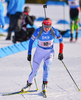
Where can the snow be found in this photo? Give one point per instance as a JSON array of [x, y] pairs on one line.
[[15, 69]]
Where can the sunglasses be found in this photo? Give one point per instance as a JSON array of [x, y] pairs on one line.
[[46, 26]]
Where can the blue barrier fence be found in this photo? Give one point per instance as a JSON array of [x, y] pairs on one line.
[[17, 47]]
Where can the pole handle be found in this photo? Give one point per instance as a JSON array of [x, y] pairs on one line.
[[45, 6]]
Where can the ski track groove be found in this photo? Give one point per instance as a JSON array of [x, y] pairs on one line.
[[61, 88], [15, 83], [23, 96]]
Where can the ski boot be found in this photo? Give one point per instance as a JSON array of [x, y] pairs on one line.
[[76, 38], [71, 40], [44, 88], [27, 87]]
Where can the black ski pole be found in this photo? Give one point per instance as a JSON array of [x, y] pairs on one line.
[[71, 76], [34, 78], [45, 6]]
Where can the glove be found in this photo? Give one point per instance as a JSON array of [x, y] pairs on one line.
[[60, 56], [29, 58], [33, 18]]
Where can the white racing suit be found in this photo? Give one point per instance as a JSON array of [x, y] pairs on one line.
[[44, 51], [73, 3]]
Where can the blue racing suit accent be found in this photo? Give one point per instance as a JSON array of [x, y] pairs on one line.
[[15, 6], [2, 21], [46, 40]]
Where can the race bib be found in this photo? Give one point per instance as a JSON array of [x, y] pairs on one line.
[[45, 43]]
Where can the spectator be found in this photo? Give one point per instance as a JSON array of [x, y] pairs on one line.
[[2, 21], [24, 33], [14, 7]]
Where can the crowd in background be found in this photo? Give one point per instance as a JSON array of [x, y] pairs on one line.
[[19, 18]]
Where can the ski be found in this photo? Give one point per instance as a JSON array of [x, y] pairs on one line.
[[44, 94], [18, 92]]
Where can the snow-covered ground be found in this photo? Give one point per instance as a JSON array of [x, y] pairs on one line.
[[15, 69]]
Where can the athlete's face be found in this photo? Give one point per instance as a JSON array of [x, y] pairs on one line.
[[46, 29]]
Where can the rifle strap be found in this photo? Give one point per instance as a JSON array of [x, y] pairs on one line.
[[40, 33]]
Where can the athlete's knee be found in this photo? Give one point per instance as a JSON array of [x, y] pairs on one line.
[[72, 25], [49, 60], [76, 25]]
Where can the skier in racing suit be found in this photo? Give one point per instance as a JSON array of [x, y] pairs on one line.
[[74, 10], [74, 17], [44, 50]]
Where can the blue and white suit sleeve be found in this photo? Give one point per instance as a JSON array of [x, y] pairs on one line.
[[58, 35], [32, 39]]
